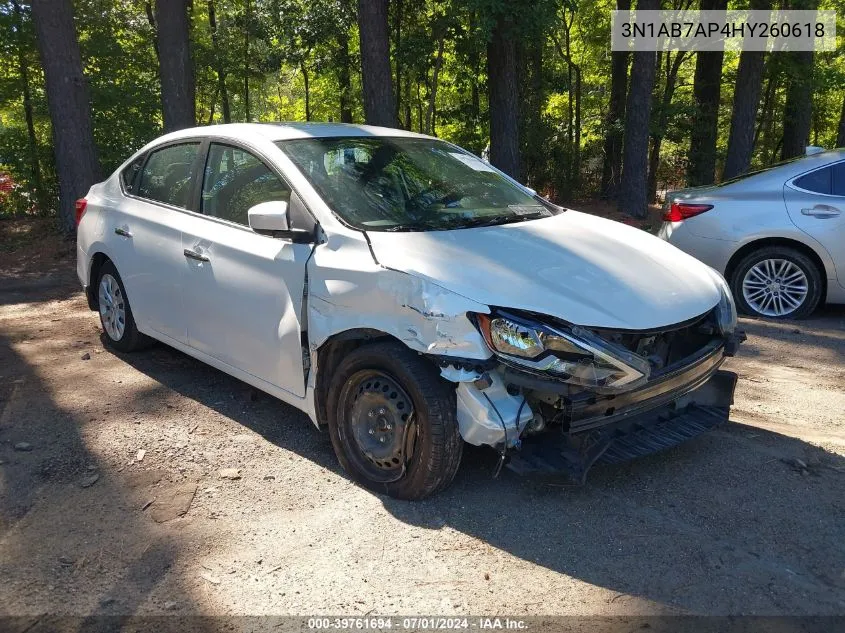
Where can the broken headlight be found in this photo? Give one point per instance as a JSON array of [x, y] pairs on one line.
[[571, 353]]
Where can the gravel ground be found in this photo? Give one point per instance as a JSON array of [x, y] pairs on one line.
[[115, 504]]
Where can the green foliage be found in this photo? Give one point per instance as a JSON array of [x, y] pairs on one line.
[[292, 59]]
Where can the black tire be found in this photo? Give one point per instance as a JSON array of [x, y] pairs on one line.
[[131, 339], [436, 443], [808, 267]]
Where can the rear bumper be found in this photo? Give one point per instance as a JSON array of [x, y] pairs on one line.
[[632, 435]]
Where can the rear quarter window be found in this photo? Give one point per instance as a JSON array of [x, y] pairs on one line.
[[129, 175], [838, 179], [818, 181]]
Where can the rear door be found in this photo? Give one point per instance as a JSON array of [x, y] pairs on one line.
[[816, 204], [149, 227], [243, 291]]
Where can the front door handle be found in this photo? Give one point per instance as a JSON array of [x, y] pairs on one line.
[[195, 255], [822, 211], [123, 232]]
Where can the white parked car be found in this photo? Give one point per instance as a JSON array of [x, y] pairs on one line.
[[408, 297], [777, 235]]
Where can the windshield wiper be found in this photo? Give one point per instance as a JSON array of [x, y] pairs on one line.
[[408, 226], [496, 220]]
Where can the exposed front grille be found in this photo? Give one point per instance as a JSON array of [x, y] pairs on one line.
[[667, 347]]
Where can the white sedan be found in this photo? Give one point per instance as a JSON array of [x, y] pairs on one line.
[[777, 235], [408, 297]]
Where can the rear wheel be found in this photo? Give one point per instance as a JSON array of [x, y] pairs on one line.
[[777, 282], [392, 422], [115, 313]]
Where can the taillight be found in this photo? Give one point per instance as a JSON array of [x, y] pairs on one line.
[[80, 209], [682, 210]]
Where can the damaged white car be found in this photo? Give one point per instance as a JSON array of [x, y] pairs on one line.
[[408, 297]]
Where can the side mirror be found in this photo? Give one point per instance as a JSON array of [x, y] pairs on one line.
[[269, 217]]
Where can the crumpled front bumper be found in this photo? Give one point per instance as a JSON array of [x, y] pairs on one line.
[[673, 407], [631, 436]]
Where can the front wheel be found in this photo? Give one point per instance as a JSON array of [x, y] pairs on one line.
[[777, 282], [392, 422]]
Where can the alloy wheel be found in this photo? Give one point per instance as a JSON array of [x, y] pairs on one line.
[[112, 307], [775, 287]]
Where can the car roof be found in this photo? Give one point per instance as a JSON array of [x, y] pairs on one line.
[[285, 131], [807, 163]]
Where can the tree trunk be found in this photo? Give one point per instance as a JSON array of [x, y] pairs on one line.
[[148, 8], [247, 24], [397, 29], [798, 111], [306, 80], [840, 137], [612, 165], [379, 102], [432, 95], [70, 108], [503, 78], [36, 183], [218, 62], [633, 196], [176, 66], [408, 114], [533, 140], [419, 109], [673, 65], [763, 128], [749, 85], [707, 88], [343, 77]]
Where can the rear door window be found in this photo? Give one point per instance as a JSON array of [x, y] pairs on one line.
[[167, 174], [818, 181]]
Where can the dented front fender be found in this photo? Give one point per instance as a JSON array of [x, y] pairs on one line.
[[348, 290]]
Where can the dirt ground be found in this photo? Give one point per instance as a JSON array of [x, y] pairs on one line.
[[115, 504]]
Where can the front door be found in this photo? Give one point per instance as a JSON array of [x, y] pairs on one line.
[[243, 291]]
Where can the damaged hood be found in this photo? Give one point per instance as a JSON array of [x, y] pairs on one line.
[[581, 268]]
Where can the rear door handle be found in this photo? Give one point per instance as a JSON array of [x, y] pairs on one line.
[[195, 255], [822, 211], [123, 232]]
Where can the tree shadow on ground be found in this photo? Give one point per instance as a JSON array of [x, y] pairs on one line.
[[63, 538], [728, 523]]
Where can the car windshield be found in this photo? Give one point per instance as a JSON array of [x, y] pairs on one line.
[[410, 184]]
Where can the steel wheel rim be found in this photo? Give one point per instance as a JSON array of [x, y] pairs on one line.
[[775, 287], [112, 307], [378, 421]]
